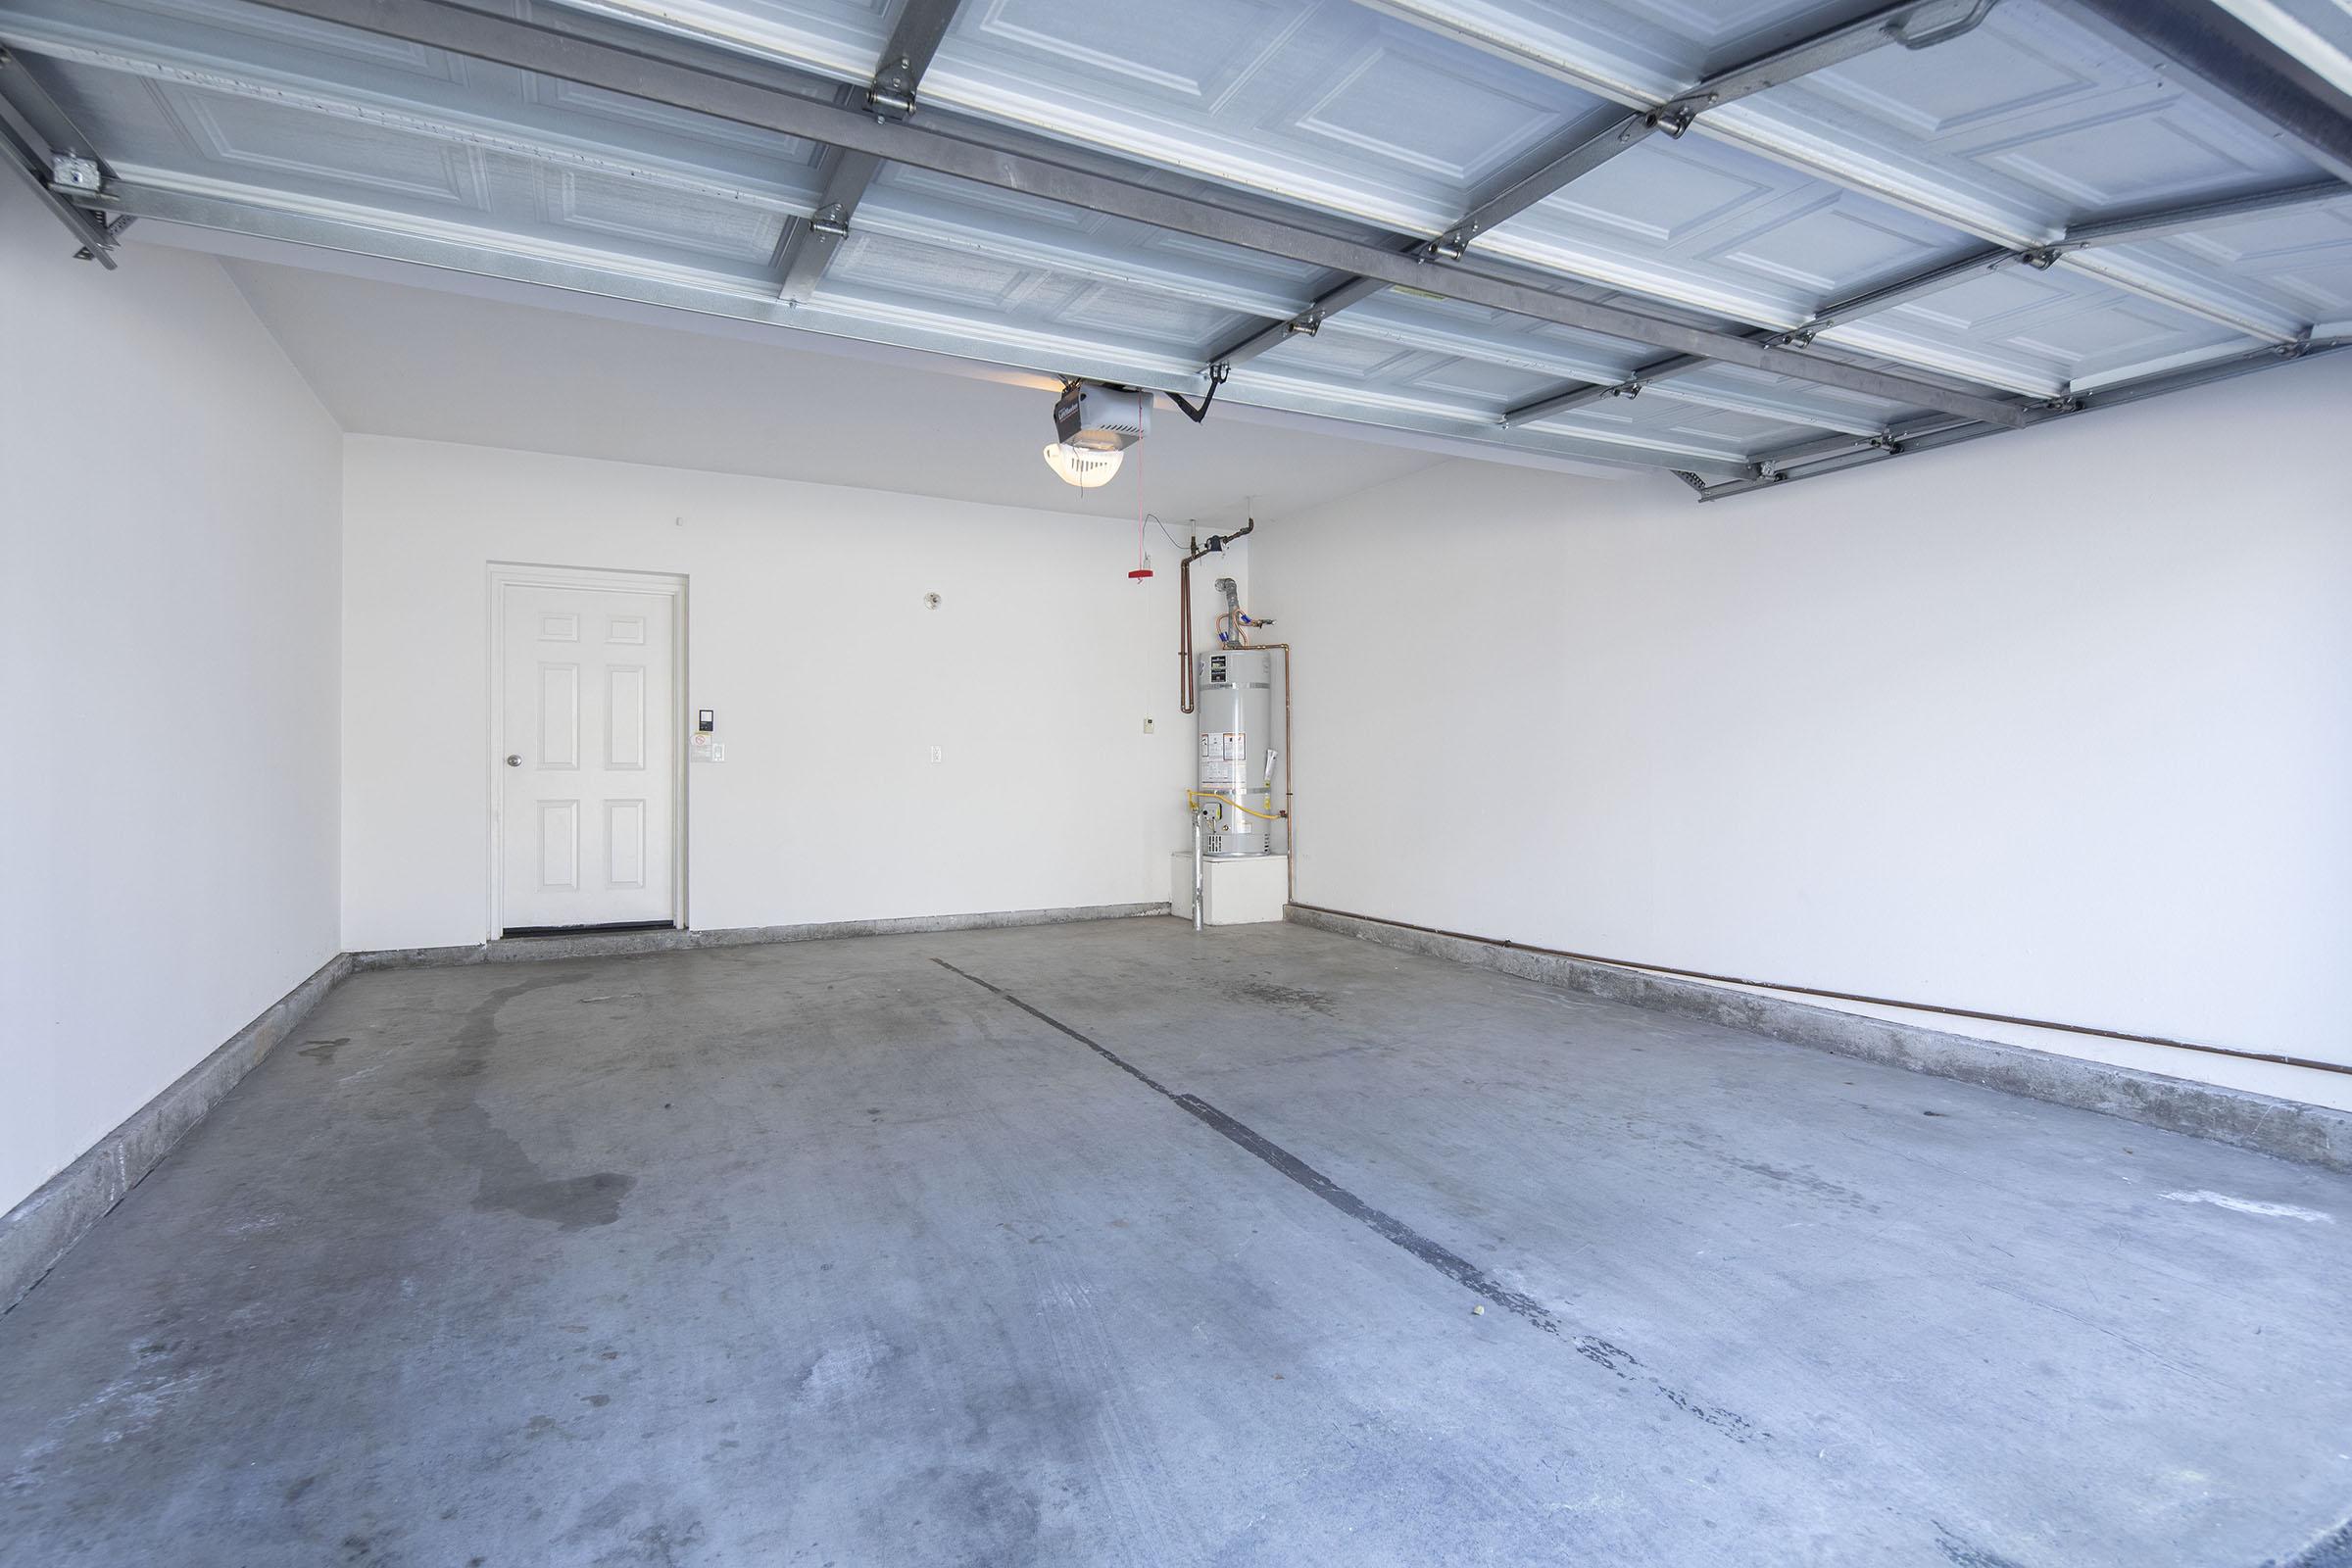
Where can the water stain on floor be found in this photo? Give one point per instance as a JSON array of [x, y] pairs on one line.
[[1291, 998], [509, 1179]]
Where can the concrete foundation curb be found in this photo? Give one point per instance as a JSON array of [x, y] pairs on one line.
[[43, 1228], [2310, 1135], [621, 943]]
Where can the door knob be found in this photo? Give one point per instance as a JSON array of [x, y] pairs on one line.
[[514, 758]]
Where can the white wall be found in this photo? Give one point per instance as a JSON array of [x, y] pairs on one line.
[[2056, 724], [809, 635], [168, 491]]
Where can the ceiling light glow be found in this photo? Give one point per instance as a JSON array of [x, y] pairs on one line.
[[1087, 470]]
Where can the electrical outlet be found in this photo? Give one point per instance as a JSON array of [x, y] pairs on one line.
[[935, 753], [1147, 726]]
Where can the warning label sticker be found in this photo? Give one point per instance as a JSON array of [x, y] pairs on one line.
[[1236, 747], [1217, 774], [1212, 745]]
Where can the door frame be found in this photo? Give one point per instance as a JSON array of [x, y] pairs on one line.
[[504, 575]]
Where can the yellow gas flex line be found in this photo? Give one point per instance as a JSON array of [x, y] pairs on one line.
[[1196, 797]]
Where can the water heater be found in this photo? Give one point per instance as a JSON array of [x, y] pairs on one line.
[[1235, 714]]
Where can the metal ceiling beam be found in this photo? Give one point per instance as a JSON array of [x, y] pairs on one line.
[[1887, 296], [1554, 170], [809, 243], [1569, 159], [1914, 23], [1815, 459], [1574, 398], [53, 156], [907, 55], [1681, 365], [2242, 65], [2119, 229], [1586, 371], [2144, 224], [1306, 322], [432, 24], [2122, 229]]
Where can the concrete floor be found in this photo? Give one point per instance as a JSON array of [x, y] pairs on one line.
[[828, 1254]]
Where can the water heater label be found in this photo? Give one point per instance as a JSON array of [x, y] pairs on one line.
[[1219, 775], [1236, 747], [1211, 746]]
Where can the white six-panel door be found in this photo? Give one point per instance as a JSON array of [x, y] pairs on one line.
[[587, 776]]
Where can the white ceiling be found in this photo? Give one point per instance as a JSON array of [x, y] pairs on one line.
[[389, 358]]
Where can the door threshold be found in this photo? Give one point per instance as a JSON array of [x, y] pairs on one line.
[[613, 928]]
